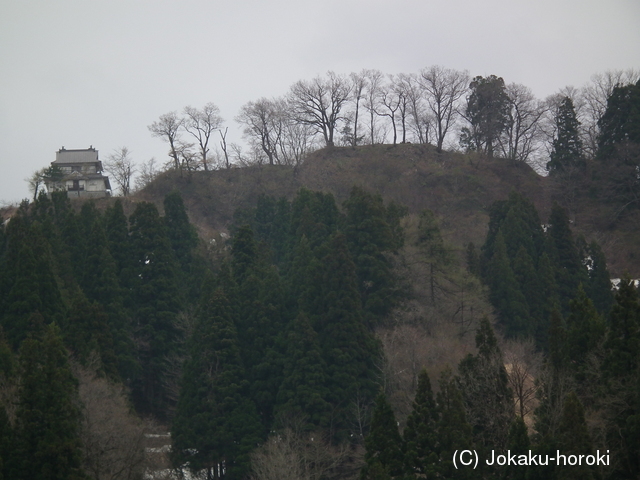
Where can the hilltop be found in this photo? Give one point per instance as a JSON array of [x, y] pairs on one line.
[[458, 188]]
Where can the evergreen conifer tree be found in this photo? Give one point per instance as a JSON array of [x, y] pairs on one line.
[[488, 112], [564, 256], [155, 301], [621, 120], [585, 332], [384, 444], [420, 434], [623, 338], [621, 377], [261, 318], [548, 297], [181, 233], [485, 388], [574, 439], [315, 215], [303, 392], [454, 432], [518, 444], [599, 286], [520, 224], [35, 288], [48, 417], [567, 145], [505, 293], [350, 351], [216, 425], [117, 231], [369, 236]]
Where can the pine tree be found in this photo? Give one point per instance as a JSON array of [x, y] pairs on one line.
[[314, 215], [520, 224], [48, 418], [181, 233], [621, 120], [574, 439], [350, 351], [621, 377], [517, 443], [303, 392], [35, 288], [485, 388], [567, 146], [487, 111], [526, 275], [86, 331], [623, 339], [155, 302], [564, 256], [261, 317], [548, 301], [23, 298], [505, 293], [216, 425], [244, 253], [369, 236], [383, 444], [420, 434], [117, 232], [454, 432], [599, 286], [585, 332]]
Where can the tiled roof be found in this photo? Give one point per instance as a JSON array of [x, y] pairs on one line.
[[89, 155]]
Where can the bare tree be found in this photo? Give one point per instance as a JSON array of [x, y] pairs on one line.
[[189, 160], [444, 88], [168, 129], [419, 119], [523, 131], [389, 101], [35, 181], [358, 84], [294, 454], [319, 103], [263, 123], [523, 364], [375, 79], [201, 124], [297, 142], [399, 86], [112, 437], [223, 146], [146, 174], [120, 166]]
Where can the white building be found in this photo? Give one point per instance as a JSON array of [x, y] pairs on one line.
[[80, 174]]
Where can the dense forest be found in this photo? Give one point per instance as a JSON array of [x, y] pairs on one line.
[[327, 338]]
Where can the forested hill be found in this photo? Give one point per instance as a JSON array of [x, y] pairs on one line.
[[271, 316], [458, 188]]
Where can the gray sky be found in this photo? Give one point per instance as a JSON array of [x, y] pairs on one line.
[[93, 72]]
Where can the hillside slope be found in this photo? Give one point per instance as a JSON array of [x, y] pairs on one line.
[[458, 188]]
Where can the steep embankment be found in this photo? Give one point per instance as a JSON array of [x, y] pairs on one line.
[[458, 188]]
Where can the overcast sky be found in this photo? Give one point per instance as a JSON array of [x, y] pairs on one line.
[[76, 73]]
